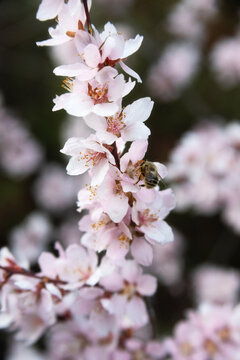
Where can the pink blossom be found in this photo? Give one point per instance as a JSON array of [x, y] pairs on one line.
[[149, 211], [211, 332], [68, 232], [173, 71], [102, 234], [54, 190], [30, 312], [128, 284], [31, 237], [205, 173], [20, 152], [51, 9], [167, 263], [88, 154], [127, 123], [184, 22], [130, 166], [224, 60], [75, 265], [100, 95], [217, 285], [102, 49], [71, 17], [189, 18]]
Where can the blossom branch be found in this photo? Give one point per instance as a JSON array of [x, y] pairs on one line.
[[20, 271], [115, 155], [89, 25]]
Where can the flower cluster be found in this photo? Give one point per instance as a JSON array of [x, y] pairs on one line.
[[32, 236], [189, 18], [54, 190], [216, 285], [224, 60], [205, 173], [20, 153], [95, 302], [174, 70], [167, 264], [211, 333]]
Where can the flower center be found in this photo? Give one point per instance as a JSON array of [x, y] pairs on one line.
[[210, 347], [186, 349], [115, 124], [124, 241], [129, 290], [68, 84], [98, 94], [224, 333], [98, 224], [134, 170], [91, 157], [118, 188], [146, 217], [108, 62]]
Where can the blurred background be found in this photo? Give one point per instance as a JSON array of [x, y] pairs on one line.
[[190, 65]]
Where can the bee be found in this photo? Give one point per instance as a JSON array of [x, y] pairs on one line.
[[150, 175]]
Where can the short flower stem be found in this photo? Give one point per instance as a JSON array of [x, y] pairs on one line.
[[115, 155], [89, 25], [19, 271]]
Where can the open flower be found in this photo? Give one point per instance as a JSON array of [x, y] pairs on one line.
[[128, 285], [76, 266], [149, 211], [127, 123], [49, 9], [99, 50], [100, 95], [70, 18], [88, 154]]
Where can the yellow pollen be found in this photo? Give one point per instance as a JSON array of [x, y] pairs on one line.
[[92, 190], [210, 347], [124, 240], [129, 290], [224, 334], [97, 225], [186, 349], [68, 84]]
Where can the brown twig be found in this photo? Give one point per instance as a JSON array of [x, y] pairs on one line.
[[20, 271], [89, 25], [115, 155]]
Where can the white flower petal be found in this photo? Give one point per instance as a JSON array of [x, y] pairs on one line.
[[142, 251], [49, 9], [130, 71], [132, 45], [77, 69]]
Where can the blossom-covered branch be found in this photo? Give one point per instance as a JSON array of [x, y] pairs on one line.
[[100, 299]]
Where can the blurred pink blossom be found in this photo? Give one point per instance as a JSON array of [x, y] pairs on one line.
[[167, 262], [54, 190], [205, 173], [225, 61], [216, 285], [20, 153], [188, 18], [174, 70], [212, 332], [30, 238]]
